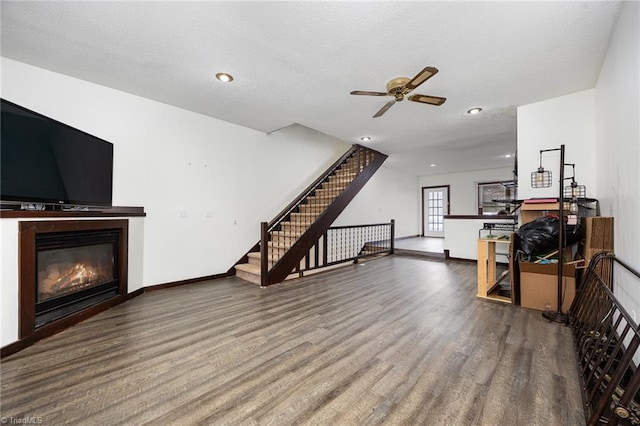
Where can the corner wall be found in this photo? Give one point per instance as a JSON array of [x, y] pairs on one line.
[[617, 97], [568, 120]]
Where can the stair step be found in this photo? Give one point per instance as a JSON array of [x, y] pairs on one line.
[[287, 234], [318, 202], [344, 175], [255, 259], [339, 180], [277, 251], [342, 184], [284, 239], [308, 217], [319, 209], [297, 226], [249, 273], [302, 214], [293, 224], [278, 245], [313, 199], [334, 185], [253, 269], [328, 190]]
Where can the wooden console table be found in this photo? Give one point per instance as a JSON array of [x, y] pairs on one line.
[[487, 279]]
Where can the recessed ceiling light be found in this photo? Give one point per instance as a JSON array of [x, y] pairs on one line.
[[507, 156], [432, 165], [473, 111], [224, 77], [365, 138]]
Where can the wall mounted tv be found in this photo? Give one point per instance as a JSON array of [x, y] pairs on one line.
[[43, 161]]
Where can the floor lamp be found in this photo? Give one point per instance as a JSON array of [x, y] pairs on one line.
[[542, 179]]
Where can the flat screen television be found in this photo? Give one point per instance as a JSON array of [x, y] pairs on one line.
[[43, 161]]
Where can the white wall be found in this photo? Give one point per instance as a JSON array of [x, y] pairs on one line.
[[205, 183], [617, 97], [463, 191], [389, 194], [568, 120], [461, 238]]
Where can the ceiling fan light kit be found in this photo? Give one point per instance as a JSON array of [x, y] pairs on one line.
[[400, 87]]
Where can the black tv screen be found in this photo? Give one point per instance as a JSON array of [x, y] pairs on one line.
[[47, 162]]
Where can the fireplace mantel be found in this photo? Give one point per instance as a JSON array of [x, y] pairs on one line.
[[105, 212]]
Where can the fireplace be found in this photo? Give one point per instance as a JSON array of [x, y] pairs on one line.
[[74, 270], [69, 267]]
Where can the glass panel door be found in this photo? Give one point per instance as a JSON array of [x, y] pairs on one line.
[[435, 207]]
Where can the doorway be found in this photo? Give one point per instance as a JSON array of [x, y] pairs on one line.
[[435, 205]]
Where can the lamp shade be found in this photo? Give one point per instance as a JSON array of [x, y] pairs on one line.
[[541, 178], [575, 191]]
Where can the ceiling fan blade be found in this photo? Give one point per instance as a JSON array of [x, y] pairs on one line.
[[425, 99], [384, 108], [422, 76], [360, 92]]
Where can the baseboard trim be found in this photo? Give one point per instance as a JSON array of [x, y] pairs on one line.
[[157, 287], [459, 259]]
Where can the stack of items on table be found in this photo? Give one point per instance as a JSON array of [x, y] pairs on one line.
[[536, 248]]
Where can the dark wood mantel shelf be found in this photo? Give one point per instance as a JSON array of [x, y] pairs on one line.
[[115, 211]]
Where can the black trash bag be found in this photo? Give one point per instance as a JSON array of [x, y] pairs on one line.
[[540, 237]]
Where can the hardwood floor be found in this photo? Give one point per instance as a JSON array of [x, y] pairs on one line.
[[395, 340]]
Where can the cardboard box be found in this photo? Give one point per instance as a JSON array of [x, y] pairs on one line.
[[533, 211], [539, 286]]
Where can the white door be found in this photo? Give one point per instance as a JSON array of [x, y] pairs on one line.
[[435, 204]]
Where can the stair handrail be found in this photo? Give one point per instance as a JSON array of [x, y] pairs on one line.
[[298, 200]]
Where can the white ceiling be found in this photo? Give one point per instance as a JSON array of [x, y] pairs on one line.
[[296, 62]]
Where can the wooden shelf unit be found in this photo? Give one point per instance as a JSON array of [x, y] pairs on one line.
[[487, 275]]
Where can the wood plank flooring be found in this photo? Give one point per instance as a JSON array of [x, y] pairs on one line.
[[397, 340]]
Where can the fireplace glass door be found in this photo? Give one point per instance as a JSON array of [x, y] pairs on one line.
[[66, 270], [74, 270]]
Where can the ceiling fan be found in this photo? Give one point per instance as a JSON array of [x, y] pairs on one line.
[[400, 87]]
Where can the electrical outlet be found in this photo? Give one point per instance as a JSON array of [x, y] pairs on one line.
[[183, 213], [209, 213]]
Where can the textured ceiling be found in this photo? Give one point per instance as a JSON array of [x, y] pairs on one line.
[[296, 62]]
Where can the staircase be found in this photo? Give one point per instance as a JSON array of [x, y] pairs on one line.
[[287, 239]]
